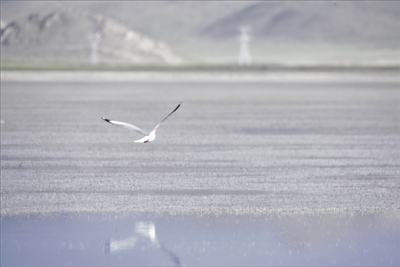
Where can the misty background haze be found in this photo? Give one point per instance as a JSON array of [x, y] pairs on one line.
[[293, 160], [175, 33]]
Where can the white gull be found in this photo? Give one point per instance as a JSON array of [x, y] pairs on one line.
[[147, 137]]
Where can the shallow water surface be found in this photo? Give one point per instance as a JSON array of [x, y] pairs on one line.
[[233, 147], [149, 240], [292, 170]]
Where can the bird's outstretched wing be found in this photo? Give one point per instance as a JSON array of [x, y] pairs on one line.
[[155, 128], [127, 126]]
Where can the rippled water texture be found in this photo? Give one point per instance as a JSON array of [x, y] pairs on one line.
[[256, 148]]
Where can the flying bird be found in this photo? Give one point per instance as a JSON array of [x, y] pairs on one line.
[[146, 137]]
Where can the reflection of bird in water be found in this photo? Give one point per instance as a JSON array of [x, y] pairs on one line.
[[143, 230], [147, 137]]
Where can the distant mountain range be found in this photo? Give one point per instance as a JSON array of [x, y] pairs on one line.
[[315, 32], [356, 22], [64, 36]]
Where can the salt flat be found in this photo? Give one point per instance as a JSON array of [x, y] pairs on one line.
[[240, 147]]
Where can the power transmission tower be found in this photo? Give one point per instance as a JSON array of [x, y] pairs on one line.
[[244, 52], [94, 39]]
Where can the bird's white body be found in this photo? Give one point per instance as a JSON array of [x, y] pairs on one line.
[[146, 137]]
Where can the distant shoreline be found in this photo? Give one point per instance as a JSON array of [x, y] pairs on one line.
[[221, 76], [21, 66]]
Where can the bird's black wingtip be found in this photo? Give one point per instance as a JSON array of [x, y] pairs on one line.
[[107, 120]]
